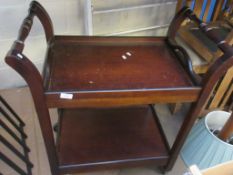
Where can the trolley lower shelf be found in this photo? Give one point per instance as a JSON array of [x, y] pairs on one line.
[[110, 137]]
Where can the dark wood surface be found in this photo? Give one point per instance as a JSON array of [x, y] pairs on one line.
[[90, 67], [99, 66], [120, 86], [93, 138]]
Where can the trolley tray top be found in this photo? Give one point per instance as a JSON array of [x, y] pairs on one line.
[[129, 66]]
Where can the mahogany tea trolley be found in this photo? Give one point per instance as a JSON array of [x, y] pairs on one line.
[[103, 88]]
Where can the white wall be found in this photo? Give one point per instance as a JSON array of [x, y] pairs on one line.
[[67, 18], [132, 17]]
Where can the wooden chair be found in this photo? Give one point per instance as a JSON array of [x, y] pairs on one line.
[[206, 50], [103, 88], [14, 139], [199, 43], [201, 9]]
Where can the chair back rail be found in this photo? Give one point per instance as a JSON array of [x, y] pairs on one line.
[[221, 96], [12, 111], [209, 32], [182, 55], [207, 10], [13, 126]]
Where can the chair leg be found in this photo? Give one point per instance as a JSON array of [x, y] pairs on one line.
[[55, 127], [175, 107]]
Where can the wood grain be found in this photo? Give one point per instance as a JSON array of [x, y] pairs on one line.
[[91, 138]]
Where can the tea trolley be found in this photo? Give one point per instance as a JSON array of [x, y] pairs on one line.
[[104, 88]]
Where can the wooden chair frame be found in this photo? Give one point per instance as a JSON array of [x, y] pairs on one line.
[[219, 19], [18, 61]]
